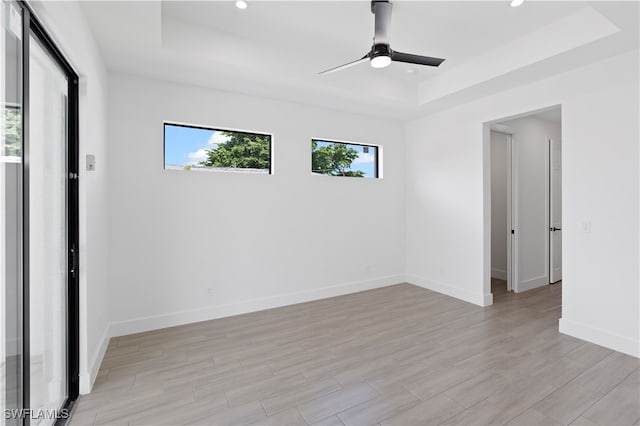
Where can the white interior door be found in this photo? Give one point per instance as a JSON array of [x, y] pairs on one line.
[[555, 210]]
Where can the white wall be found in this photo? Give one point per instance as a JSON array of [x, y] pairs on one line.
[[499, 208], [257, 241], [68, 27], [532, 159], [448, 181]]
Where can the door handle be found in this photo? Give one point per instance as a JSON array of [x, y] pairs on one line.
[[554, 229]]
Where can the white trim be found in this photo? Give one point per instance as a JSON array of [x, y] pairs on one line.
[[480, 299], [215, 129], [512, 273], [138, 325], [486, 209], [509, 275], [502, 128], [514, 213], [532, 283], [600, 337], [547, 209], [87, 380], [498, 273]]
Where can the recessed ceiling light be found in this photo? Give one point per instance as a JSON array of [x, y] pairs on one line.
[[516, 3], [411, 71], [241, 4]]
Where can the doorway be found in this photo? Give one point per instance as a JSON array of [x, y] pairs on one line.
[[526, 201], [39, 351]]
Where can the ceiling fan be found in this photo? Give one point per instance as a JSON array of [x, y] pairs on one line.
[[381, 54]]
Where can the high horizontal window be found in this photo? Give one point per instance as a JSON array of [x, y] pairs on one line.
[[344, 159], [201, 148]]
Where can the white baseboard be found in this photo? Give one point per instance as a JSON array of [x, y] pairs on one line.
[[498, 273], [87, 379], [600, 337], [453, 291], [138, 325], [533, 283]]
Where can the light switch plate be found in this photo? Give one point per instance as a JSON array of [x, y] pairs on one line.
[[91, 162]]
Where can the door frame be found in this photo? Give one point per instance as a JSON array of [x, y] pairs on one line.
[[31, 25], [549, 142], [547, 206], [486, 197], [512, 205]]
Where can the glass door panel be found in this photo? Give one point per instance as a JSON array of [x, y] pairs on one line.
[[48, 230], [10, 211]]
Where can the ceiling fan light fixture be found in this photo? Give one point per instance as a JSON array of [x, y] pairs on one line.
[[380, 61], [380, 55], [516, 3], [241, 4]]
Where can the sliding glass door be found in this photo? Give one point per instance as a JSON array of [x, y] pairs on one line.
[[11, 343], [39, 228], [48, 247]]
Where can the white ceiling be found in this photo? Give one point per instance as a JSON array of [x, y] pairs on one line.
[[276, 49]]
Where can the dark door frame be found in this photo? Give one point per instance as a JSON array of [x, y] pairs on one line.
[[31, 26]]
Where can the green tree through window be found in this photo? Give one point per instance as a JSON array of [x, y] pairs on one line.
[[342, 159], [242, 150], [11, 144]]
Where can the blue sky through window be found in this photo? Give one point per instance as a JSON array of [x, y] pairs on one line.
[[187, 145]]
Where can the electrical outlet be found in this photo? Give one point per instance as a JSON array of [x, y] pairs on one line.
[[586, 227], [210, 291]]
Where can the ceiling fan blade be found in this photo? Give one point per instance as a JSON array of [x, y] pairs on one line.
[[347, 65], [415, 59], [382, 11]]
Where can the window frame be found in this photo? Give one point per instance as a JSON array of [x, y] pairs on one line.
[[215, 129], [378, 167]]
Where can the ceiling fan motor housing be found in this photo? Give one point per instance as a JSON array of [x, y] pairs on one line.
[[380, 50], [373, 4]]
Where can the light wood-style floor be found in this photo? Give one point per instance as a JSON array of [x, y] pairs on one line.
[[399, 355]]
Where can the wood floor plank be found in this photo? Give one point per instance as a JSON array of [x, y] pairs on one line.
[[477, 388], [242, 415], [482, 413], [375, 410], [260, 390], [177, 411], [620, 406], [306, 392], [289, 417], [329, 421], [336, 402], [427, 384], [532, 417], [430, 412], [582, 421]]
